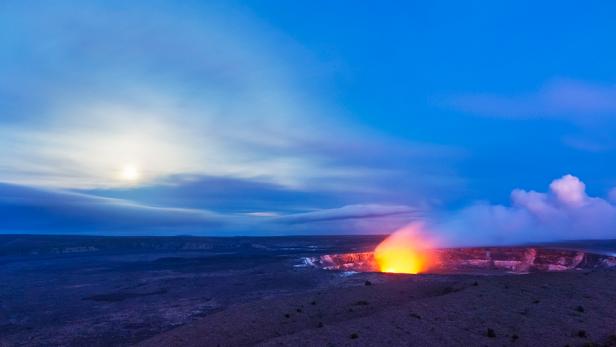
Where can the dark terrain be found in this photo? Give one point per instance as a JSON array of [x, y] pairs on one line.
[[538, 309], [95, 291], [99, 291]]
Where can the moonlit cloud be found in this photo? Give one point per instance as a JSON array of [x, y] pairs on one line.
[[169, 92], [227, 118]]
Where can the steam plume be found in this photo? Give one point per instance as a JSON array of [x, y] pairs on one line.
[[564, 212]]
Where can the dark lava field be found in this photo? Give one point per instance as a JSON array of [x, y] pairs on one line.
[[99, 291]]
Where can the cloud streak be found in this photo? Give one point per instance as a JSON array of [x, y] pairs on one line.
[[31, 210], [351, 212], [564, 212], [41, 211], [561, 98]]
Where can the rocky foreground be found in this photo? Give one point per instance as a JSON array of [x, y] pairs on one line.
[[576, 308]]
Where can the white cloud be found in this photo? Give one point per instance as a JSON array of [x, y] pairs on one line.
[[565, 212]]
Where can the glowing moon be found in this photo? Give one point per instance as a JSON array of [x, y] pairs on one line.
[[130, 173]]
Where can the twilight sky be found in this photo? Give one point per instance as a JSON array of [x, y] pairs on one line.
[[489, 122]]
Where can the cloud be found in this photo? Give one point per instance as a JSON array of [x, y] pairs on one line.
[[90, 88], [43, 211], [561, 98], [31, 210], [612, 195], [568, 190], [565, 212], [215, 110], [590, 143], [351, 212], [363, 219], [224, 194]]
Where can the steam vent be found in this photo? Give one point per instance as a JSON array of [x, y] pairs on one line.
[[487, 260]]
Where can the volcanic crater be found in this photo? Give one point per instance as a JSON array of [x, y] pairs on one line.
[[478, 260]]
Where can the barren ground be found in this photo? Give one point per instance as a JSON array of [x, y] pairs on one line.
[[188, 291], [542, 309]]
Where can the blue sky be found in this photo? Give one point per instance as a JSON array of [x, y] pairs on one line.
[[316, 117]]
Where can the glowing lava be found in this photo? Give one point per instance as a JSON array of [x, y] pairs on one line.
[[404, 251]]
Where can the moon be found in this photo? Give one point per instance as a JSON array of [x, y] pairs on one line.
[[130, 173]]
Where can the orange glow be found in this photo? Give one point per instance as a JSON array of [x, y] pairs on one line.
[[404, 251]]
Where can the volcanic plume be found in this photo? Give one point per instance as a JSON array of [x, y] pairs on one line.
[[407, 250]]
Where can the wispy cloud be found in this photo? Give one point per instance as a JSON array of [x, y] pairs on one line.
[[35, 210], [168, 91], [351, 212], [90, 88], [224, 194], [32, 210], [564, 212], [349, 219], [211, 107], [560, 98]]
